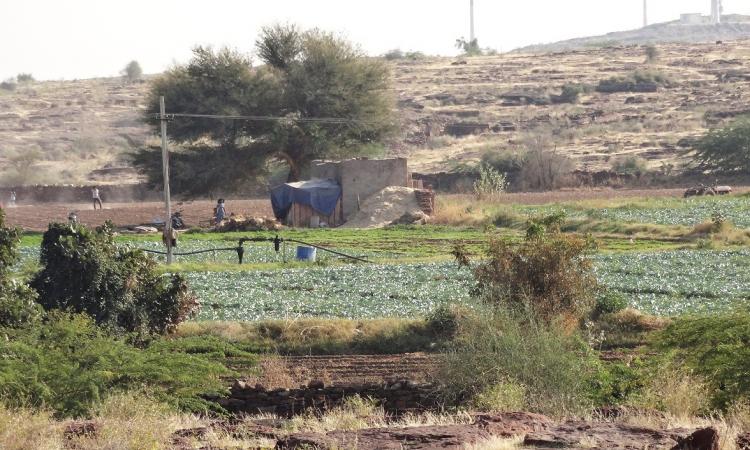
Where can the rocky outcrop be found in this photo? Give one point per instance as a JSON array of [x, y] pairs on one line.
[[604, 435], [396, 397], [540, 431]]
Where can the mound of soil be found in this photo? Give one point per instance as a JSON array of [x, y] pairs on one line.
[[386, 207], [242, 223]]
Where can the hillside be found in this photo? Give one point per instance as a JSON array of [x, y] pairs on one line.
[[452, 111], [734, 27]]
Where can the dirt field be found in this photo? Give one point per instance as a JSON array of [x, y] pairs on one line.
[[37, 217], [293, 371], [195, 213]]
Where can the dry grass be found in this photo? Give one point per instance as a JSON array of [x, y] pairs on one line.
[[718, 234], [358, 413], [727, 428], [497, 443], [318, 336], [22, 429]]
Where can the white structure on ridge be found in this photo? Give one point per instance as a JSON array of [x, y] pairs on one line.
[[471, 20], [716, 10]]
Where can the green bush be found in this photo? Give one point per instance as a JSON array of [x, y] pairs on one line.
[[8, 85], [24, 78], [69, 365], [715, 348], [630, 165], [497, 358], [547, 275], [500, 397], [17, 301], [132, 71], [490, 183], [610, 302], [394, 54], [85, 272], [443, 321], [725, 149]]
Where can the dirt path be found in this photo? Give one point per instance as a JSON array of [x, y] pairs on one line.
[[37, 217]]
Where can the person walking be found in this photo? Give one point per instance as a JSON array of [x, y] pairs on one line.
[[220, 212], [95, 197]]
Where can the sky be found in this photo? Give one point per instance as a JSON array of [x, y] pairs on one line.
[[72, 39]]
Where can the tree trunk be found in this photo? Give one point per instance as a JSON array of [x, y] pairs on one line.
[[294, 169]]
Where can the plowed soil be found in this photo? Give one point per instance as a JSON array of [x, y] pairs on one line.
[[293, 371]]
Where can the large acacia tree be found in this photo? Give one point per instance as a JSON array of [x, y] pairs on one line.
[[306, 76], [725, 149]]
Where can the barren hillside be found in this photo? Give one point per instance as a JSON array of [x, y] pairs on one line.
[[452, 111]]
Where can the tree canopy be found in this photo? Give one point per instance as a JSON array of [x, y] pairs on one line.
[[307, 77], [725, 149]]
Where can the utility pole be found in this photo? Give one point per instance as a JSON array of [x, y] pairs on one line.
[[645, 13], [165, 172], [472, 37], [716, 10]]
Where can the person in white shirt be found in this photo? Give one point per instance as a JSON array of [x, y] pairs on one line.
[[95, 197]]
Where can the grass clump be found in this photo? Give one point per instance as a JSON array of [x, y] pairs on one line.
[[502, 363]]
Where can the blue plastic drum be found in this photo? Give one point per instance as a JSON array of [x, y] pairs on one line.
[[306, 253]]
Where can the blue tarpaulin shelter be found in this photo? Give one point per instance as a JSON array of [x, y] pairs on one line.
[[321, 195]]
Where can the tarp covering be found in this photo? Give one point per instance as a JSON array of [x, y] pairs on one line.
[[321, 195]]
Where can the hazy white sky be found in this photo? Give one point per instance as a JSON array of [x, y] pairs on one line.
[[55, 39]]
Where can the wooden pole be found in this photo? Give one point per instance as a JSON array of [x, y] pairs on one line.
[[165, 172]]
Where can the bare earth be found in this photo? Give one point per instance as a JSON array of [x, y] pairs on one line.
[[37, 217]]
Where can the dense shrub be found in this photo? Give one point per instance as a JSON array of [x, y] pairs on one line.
[[610, 302], [715, 348], [544, 168], [490, 183], [502, 363], [630, 165], [396, 53], [725, 149], [547, 275], [569, 94], [17, 301], [638, 81], [83, 271], [68, 364], [24, 78], [132, 71], [652, 54], [8, 85]]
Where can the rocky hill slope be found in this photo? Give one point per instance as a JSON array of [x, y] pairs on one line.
[[734, 27], [452, 111]]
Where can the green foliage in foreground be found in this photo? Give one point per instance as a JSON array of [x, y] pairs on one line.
[[17, 301], [85, 272], [715, 347], [68, 364]]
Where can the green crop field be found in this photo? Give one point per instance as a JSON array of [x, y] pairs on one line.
[[668, 211], [412, 271]]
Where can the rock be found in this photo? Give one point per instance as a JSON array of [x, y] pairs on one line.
[[316, 384], [427, 437], [743, 441], [84, 428], [460, 129], [238, 385], [512, 423], [605, 435], [702, 439]]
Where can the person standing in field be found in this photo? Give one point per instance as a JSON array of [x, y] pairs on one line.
[[95, 197], [220, 212], [12, 201]]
